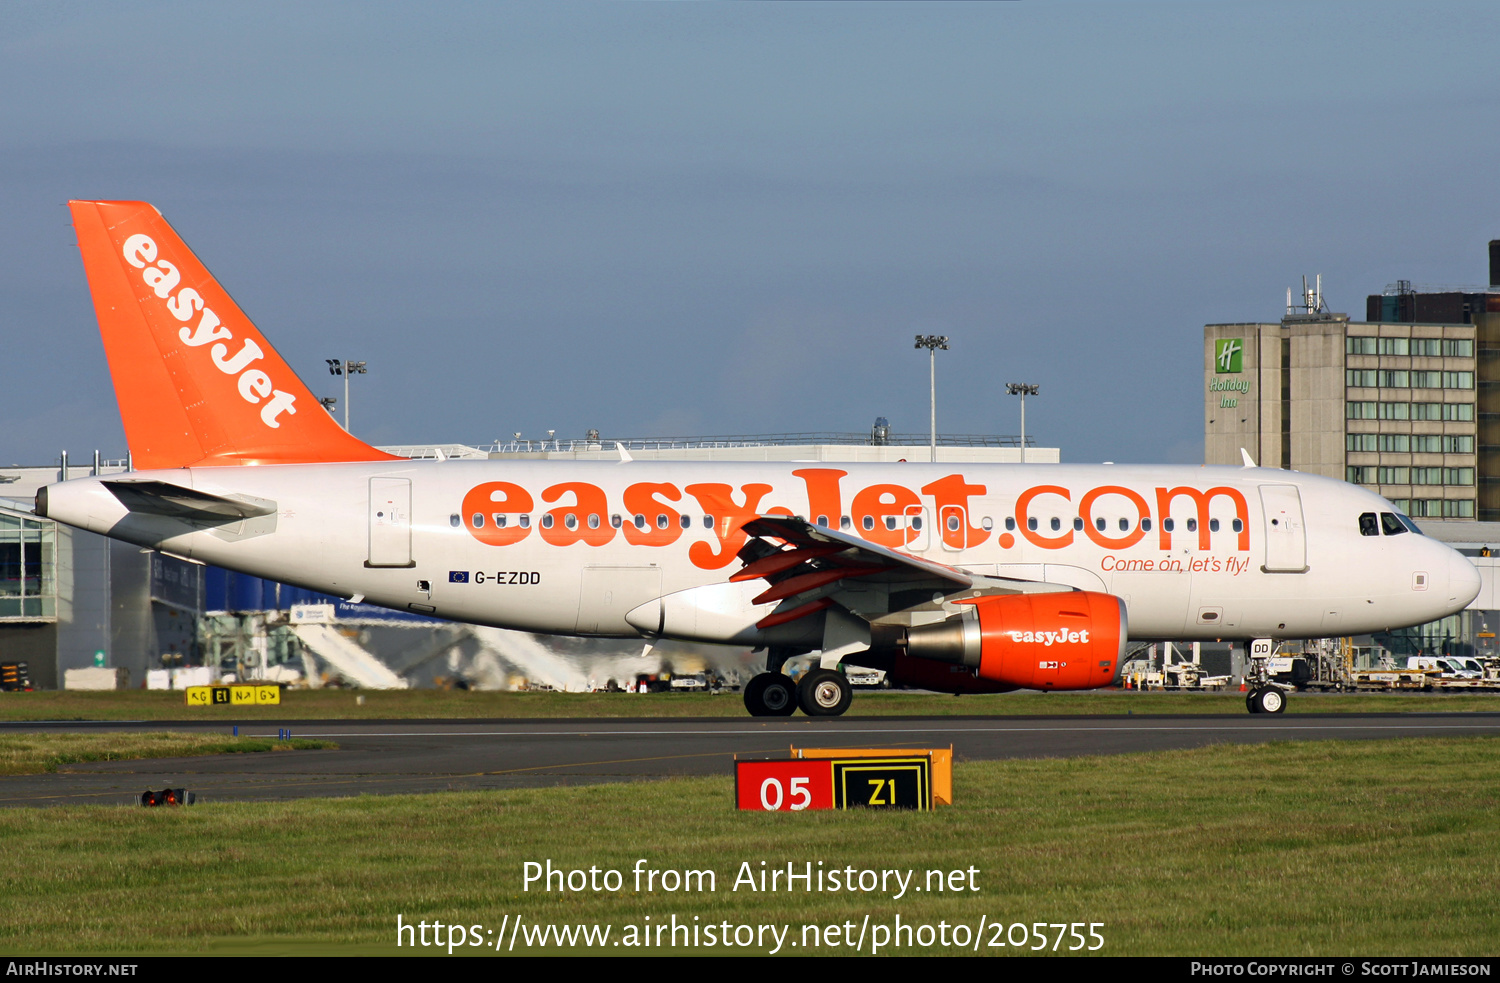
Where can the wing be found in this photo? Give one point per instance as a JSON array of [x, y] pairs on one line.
[[810, 568]]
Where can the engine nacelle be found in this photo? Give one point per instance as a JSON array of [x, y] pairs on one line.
[[1072, 640]]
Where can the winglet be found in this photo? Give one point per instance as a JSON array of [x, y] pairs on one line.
[[625, 457], [1245, 456], [197, 383]]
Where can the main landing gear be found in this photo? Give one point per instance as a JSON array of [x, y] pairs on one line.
[[820, 693]]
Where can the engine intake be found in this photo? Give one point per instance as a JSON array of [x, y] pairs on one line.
[[1072, 640]]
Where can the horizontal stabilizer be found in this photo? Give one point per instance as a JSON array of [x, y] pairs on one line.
[[175, 502]]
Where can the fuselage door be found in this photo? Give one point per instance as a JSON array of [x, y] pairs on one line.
[[918, 536], [1286, 536], [390, 523], [953, 523]]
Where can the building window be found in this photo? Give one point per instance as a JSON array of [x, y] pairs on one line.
[[1361, 410], [1459, 347], [1458, 411], [1393, 476], [1363, 378], [1359, 474], [1392, 378], [1426, 444], [1395, 443], [1360, 442], [1395, 411], [1427, 380], [1395, 346], [1457, 380], [1359, 345], [1458, 445]]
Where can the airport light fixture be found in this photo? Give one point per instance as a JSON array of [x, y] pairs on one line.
[[932, 342], [1022, 389], [345, 368]]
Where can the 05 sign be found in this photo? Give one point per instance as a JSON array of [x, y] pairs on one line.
[[783, 786]]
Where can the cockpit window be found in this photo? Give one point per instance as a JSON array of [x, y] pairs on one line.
[[1391, 525], [1408, 523], [1369, 525]]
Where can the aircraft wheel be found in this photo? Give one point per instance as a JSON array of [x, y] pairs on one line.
[[824, 693], [1269, 699], [1250, 703], [770, 694]]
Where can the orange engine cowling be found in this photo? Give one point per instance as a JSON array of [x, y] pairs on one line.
[[1066, 640]]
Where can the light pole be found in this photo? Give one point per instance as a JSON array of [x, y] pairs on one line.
[[338, 366], [932, 342], [1022, 389]]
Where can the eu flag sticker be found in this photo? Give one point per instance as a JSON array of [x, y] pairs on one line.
[[458, 576]]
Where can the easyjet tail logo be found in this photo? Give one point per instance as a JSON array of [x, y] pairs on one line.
[[254, 384]]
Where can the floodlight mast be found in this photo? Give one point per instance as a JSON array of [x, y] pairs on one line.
[[932, 342], [345, 368], [1022, 389]]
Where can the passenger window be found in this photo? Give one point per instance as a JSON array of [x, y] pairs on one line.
[[953, 523], [844, 522], [708, 522], [594, 521], [1192, 525], [1099, 524], [1031, 523], [661, 520], [455, 520], [1369, 525], [1077, 524], [525, 522], [499, 518], [890, 522], [1146, 525], [570, 520], [547, 521], [1213, 525], [478, 520], [640, 521], [1124, 525], [986, 523], [823, 521], [1238, 526], [1010, 524], [1056, 523], [687, 521], [1391, 525], [916, 522], [616, 521], [868, 522]]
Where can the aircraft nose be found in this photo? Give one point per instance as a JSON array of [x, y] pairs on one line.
[[1463, 579]]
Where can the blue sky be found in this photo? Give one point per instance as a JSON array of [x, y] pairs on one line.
[[680, 218]]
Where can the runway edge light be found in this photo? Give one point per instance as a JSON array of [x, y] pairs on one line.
[[168, 797]]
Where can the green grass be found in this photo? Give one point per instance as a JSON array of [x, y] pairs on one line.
[[34, 754], [1369, 848], [441, 704]]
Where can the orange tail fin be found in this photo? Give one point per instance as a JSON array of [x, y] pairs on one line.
[[196, 381]]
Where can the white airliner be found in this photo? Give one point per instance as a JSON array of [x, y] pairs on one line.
[[962, 578]]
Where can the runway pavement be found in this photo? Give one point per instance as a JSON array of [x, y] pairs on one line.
[[384, 757]]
